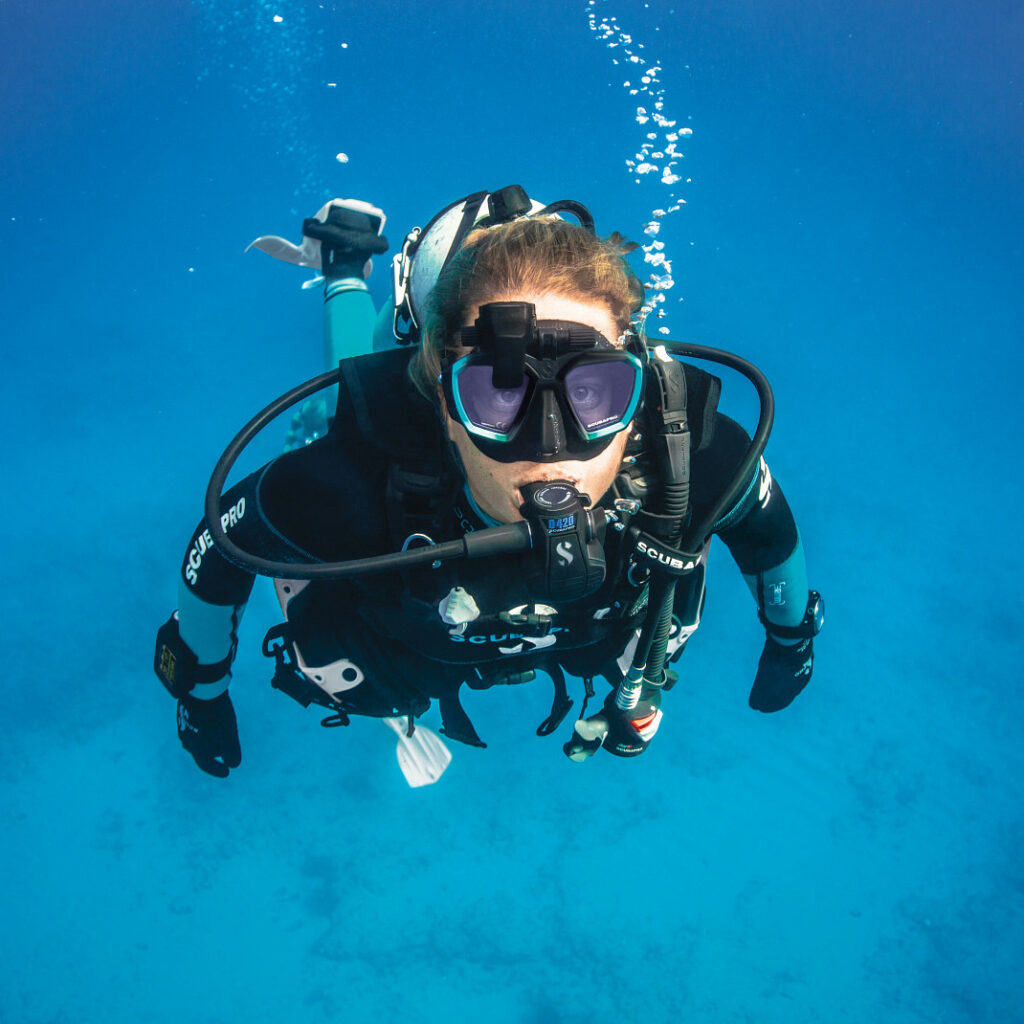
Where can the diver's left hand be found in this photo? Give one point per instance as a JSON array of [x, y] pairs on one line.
[[208, 730], [783, 671], [622, 733]]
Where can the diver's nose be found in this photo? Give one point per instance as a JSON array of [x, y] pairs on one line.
[[551, 439]]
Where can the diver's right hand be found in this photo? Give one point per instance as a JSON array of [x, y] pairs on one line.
[[208, 730], [349, 236]]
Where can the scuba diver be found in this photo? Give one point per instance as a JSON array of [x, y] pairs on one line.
[[514, 482]]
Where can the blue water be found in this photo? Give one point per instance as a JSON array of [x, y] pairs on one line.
[[852, 223]]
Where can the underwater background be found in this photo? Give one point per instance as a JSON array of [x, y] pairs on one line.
[[848, 214]]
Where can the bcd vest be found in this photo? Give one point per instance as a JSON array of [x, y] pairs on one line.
[[423, 636]]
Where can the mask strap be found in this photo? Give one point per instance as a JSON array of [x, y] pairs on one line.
[[577, 209], [469, 212]]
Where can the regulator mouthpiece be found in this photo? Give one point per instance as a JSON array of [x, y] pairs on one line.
[[567, 560]]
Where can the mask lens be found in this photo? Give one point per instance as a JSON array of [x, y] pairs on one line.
[[603, 395], [491, 411]]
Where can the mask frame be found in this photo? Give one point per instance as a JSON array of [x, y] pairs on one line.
[[538, 357]]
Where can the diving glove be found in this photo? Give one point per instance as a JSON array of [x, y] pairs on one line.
[[349, 236], [208, 730], [783, 671], [622, 733]]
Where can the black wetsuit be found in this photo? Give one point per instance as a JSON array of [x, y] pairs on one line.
[[384, 472]]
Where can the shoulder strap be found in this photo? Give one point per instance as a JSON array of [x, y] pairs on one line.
[[377, 399], [703, 392], [669, 442], [384, 411]]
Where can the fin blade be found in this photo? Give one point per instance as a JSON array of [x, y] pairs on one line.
[[305, 255], [423, 757]]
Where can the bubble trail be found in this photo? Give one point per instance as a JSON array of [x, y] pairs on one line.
[[279, 80], [658, 154]]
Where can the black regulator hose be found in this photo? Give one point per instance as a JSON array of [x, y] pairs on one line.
[[655, 646], [670, 448], [507, 539], [649, 657], [697, 534], [497, 540]]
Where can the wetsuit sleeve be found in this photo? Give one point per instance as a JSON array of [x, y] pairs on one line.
[[213, 592], [350, 238], [349, 318], [759, 530]]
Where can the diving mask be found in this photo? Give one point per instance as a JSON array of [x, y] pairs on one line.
[[540, 391]]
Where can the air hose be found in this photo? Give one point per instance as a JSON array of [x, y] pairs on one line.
[[648, 664], [498, 540]]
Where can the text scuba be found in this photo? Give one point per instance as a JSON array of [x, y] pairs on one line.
[[495, 638], [668, 560]]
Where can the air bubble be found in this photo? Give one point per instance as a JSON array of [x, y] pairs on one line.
[[657, 146]]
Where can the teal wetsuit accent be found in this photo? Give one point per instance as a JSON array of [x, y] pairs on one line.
[[349, 321], [349, 318], [209, 631], [384, 329], [783, 590], [780, 591]]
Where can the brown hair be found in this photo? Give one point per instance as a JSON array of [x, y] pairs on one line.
[[544, 255]]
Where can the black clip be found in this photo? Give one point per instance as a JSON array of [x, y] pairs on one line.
[[289, 680], [335, 720], [560, 705]]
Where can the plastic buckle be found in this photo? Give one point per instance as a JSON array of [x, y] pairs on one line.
[[401, 272], [275, 646]]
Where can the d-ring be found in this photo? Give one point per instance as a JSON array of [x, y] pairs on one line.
[[421, 536]]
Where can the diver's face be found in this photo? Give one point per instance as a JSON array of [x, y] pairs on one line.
[[496, 485]]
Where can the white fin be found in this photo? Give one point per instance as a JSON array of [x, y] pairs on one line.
[[423, 757], [305, 255]]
